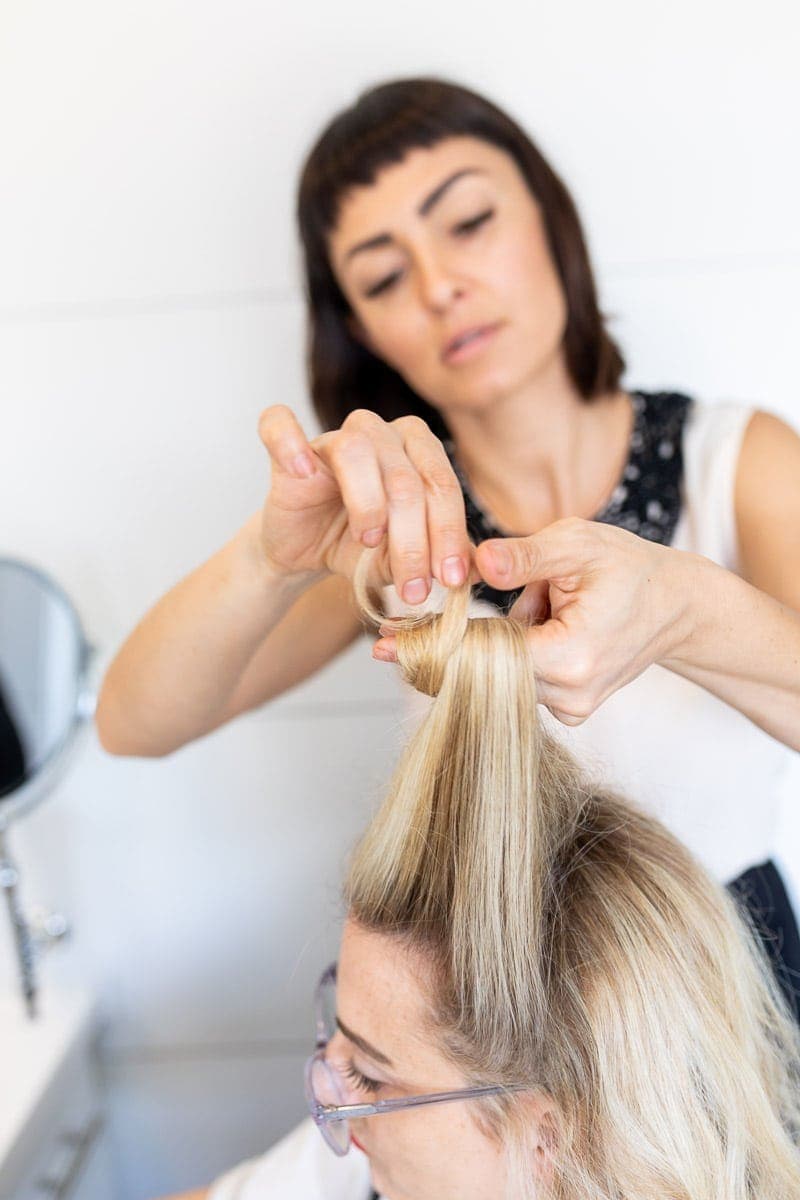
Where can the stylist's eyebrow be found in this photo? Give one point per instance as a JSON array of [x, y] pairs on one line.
[[363, 1044], [384, 239]]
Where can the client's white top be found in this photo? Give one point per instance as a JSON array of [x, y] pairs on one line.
[[299, 1167], [707, 771]]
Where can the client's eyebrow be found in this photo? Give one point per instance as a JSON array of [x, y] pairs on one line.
[[363, 1044]]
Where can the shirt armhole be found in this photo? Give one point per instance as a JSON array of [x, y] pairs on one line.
[[712, 443]]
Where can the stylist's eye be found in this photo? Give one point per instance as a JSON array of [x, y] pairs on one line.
[[462, 230], [361, 1081], [474, 223], [383, 286]]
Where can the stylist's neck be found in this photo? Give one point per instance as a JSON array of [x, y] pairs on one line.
[[540, 452]]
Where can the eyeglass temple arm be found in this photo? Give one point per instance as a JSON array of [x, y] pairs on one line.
[[342, 1112]]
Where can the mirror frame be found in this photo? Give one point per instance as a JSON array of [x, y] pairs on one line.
[[39, 782]]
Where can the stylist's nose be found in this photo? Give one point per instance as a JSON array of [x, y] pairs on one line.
[[439, 285]]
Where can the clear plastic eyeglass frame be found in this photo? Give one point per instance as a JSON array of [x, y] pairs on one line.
[[324, 1093]]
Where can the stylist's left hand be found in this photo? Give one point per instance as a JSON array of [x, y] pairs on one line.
[[609, 604]]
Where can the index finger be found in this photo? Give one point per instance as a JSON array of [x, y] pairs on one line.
[[282, 434], [446, 517]]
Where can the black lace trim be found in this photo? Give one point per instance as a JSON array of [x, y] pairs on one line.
[[648, 498]]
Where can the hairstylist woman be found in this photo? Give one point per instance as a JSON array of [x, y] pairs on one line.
[[448, 280]]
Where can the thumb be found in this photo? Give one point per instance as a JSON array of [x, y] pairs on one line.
[[507, 562], [561, 551]]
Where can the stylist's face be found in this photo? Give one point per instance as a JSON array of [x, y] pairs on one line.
[[386, 1048], [448, 240]]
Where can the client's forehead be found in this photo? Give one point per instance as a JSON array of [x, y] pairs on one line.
[[382, 996], [377, 984]]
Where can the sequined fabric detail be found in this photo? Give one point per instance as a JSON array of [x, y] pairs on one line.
[[648, 497]]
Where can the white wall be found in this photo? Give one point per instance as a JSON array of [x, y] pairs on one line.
[[150, 308]]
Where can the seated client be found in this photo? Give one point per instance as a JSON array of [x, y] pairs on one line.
[[540, 993]]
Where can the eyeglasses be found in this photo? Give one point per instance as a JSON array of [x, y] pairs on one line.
[[324, 1091]]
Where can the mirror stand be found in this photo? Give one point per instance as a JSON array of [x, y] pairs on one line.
[[31, 937], [9, 878]]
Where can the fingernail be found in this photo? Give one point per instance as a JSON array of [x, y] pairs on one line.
[[372, 536], [415, 591], [501, 559], [303, 465], [382, 654], [453, 571]]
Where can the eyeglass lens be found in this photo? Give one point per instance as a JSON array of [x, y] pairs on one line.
[[324, 1089], [327, 1008]]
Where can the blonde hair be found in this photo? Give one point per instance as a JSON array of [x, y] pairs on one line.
[[577, 946]]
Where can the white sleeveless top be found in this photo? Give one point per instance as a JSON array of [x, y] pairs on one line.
[[298, 1167], [709, 773]]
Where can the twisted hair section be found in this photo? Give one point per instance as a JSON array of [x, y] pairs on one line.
[[577, 946]]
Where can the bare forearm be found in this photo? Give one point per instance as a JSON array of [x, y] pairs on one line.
[[176, 670], [740, 644]]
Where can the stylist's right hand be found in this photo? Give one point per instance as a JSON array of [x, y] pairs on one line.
[[371, 481]]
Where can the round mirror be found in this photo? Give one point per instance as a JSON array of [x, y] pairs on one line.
[[44, 660]]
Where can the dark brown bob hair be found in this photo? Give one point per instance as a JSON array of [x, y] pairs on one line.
[[379, 129]]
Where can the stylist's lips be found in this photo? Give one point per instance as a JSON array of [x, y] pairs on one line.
[[356, 1142], [469, 342]]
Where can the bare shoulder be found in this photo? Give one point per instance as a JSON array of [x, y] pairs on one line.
[[768, 471], [767, 435], [767, 503]]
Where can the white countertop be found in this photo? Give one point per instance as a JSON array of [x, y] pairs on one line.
[[32, 1051]]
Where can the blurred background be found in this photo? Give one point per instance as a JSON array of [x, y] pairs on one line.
[[151, 307]]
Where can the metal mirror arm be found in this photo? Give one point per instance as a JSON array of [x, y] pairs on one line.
[[31, 937], [23, 942]]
